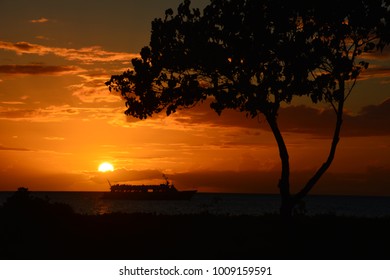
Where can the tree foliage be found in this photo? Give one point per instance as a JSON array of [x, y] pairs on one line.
[[254, 55]]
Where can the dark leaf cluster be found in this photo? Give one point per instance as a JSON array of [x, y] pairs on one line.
[[252, 55]]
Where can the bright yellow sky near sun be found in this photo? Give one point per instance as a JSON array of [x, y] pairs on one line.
[[59, 123]]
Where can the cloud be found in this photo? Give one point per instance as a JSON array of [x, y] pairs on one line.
[[40, 20], [13, 102], [54, 138], [38, 69], [372, 181], [307, 120], [227, 181], [203, 114], [375, 72], [377, 55], [84, 55], [62, 113], [93, 94], [372, 120], [93, 89], [47, 114], [2, 148], [38, 181], [41, 37]]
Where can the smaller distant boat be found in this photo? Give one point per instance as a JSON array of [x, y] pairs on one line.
[[165, 191]]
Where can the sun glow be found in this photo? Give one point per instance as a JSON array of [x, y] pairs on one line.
[[106, 166]]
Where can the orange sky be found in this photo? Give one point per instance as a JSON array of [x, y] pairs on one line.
[[59, 122]]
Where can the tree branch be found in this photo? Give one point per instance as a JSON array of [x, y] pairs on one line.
[[336, 136], [333, 106], [350, 89]]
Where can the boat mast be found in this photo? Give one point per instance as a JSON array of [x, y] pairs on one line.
[[166, 178]]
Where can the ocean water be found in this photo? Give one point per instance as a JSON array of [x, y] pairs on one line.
[[227, 204]]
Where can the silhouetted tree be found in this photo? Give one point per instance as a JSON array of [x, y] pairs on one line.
[[254, 55]]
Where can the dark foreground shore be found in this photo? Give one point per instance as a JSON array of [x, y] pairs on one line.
[[33, 228]]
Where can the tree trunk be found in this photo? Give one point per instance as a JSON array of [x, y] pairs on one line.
[[287, 205], [289, 201]]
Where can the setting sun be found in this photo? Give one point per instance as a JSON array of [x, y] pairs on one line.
[[105, 166]]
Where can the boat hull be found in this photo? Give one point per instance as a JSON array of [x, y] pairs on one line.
[[179, 195]]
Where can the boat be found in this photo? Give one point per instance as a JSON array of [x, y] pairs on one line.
[[166, 191]]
